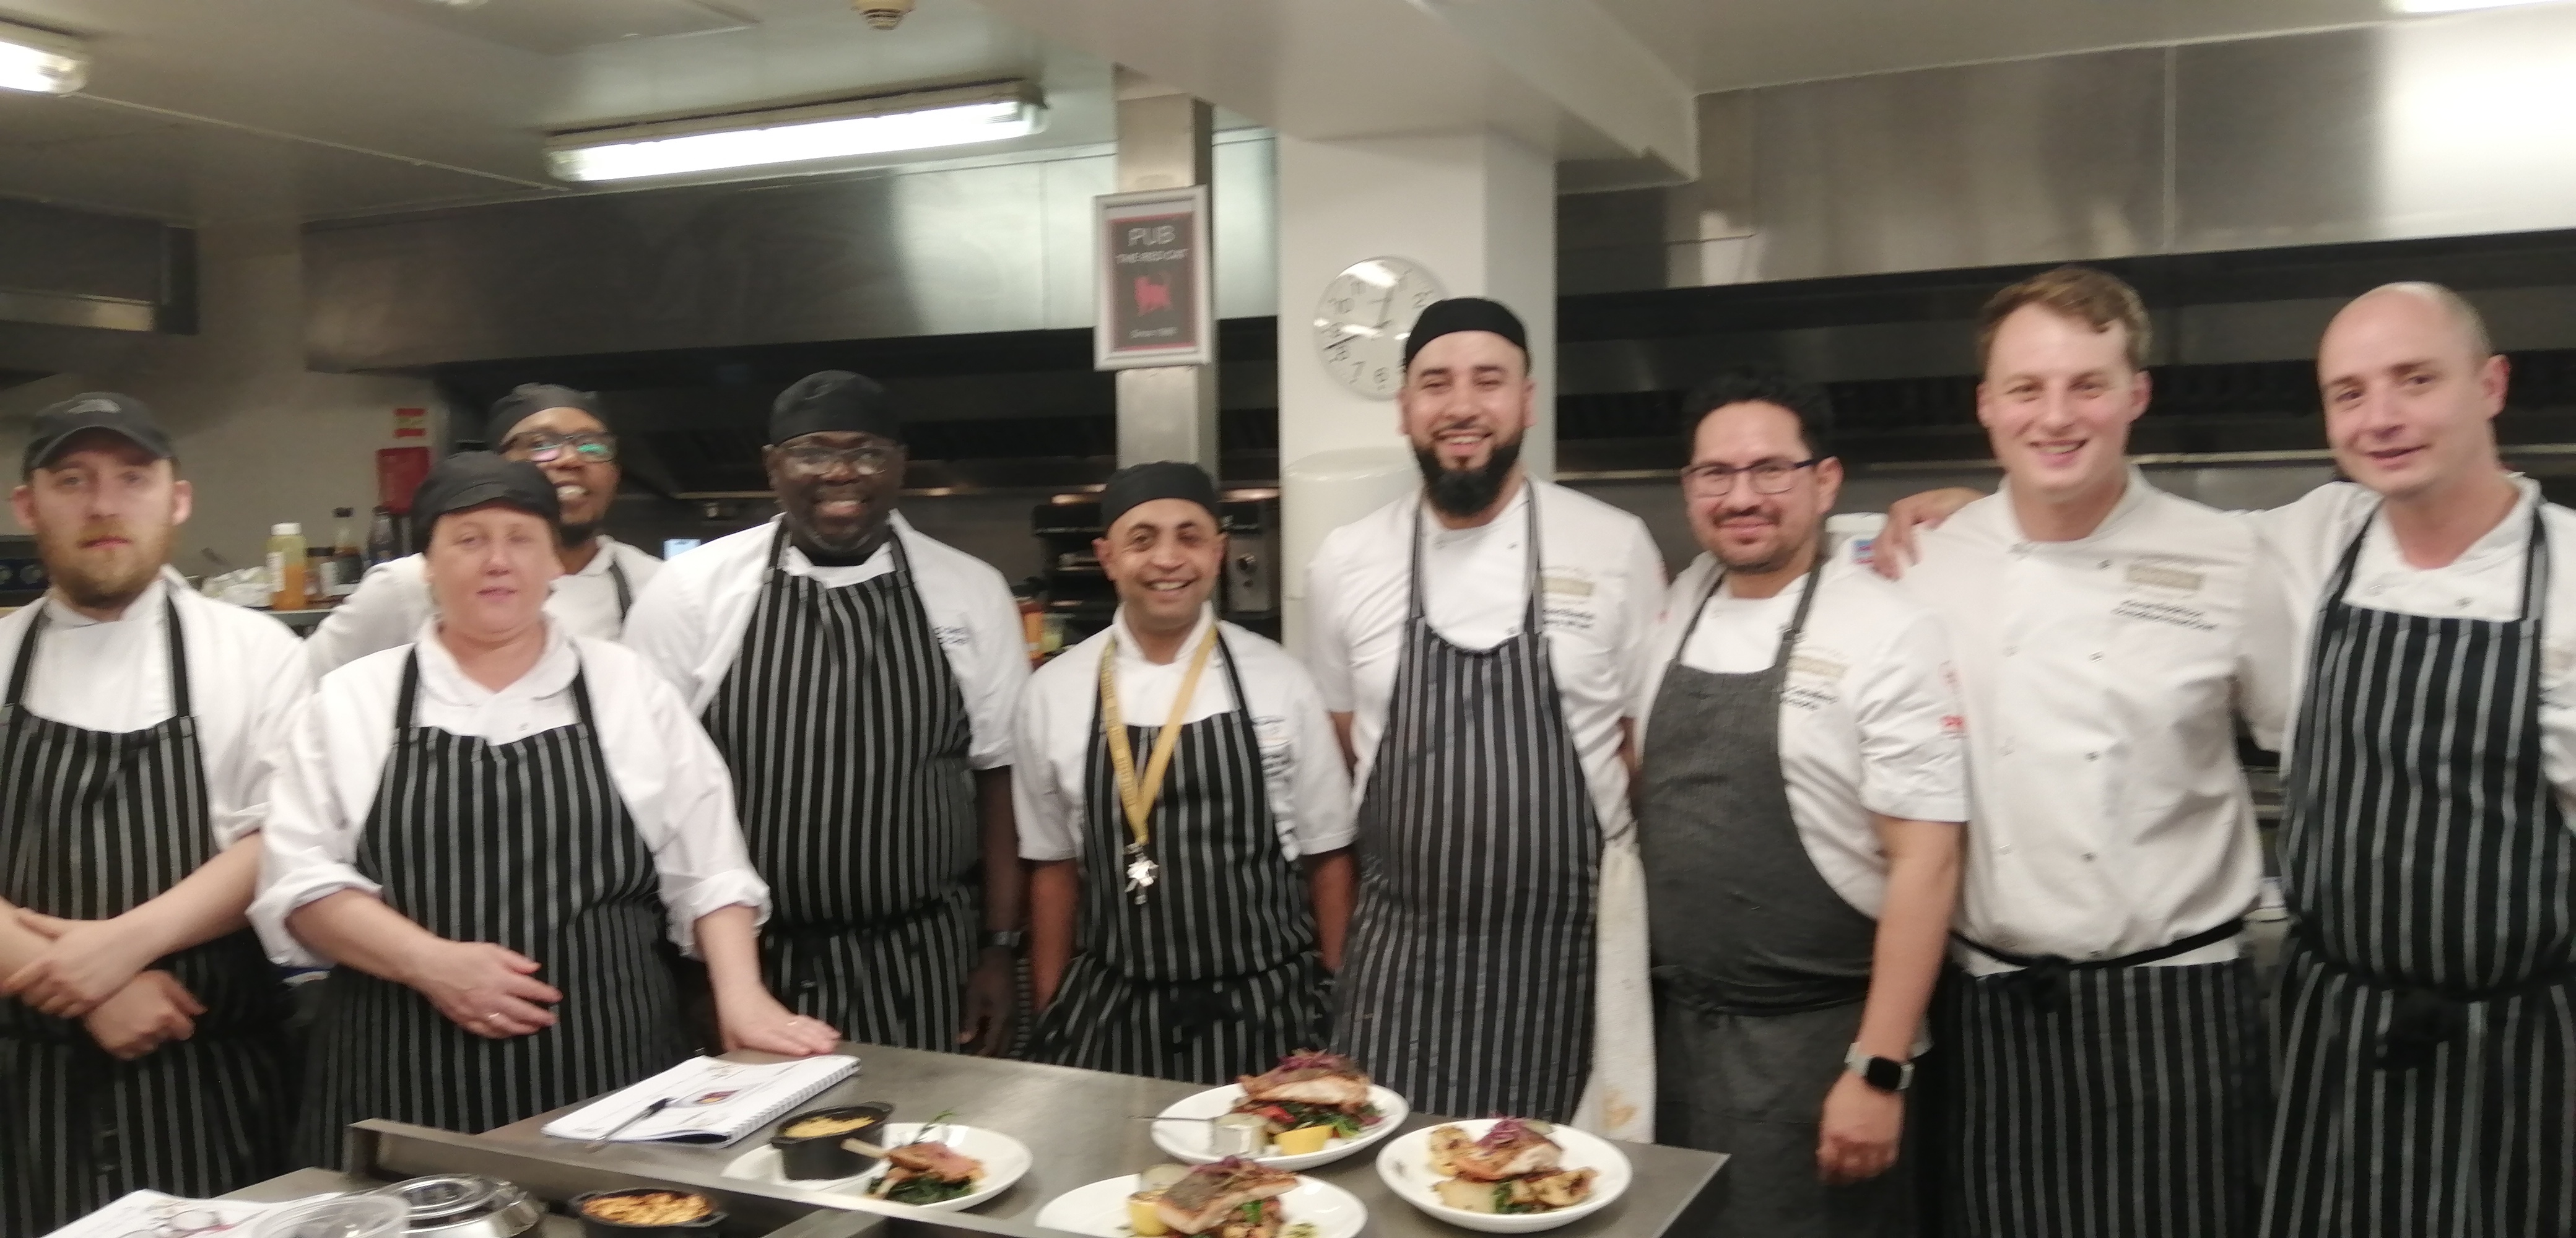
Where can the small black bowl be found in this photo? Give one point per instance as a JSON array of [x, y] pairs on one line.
[[813, 1157], [596, 1227]]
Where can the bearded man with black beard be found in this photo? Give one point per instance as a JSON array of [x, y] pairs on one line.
[[1473, 644]]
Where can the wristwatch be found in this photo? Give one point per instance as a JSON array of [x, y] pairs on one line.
[[1878, 1072], [1005, 939]]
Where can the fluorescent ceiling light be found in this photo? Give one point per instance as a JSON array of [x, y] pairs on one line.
[[40, 61], [2454, 6], [914, 121]]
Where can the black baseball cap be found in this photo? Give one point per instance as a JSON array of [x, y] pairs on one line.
[[93, 410], [473, 478]]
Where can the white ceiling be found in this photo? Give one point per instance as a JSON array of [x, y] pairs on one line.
[[206, 110]]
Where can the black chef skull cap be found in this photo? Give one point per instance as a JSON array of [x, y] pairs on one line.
[[834, 400], [1465, 314], [1138, 484], [58, 423], [470, 479], [529, 399]]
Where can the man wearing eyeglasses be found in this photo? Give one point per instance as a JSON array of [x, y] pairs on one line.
[[560, 431], [2106, 1070], [861, 680], [1803, 777]]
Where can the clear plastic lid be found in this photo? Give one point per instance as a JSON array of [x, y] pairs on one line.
[[286, 529]]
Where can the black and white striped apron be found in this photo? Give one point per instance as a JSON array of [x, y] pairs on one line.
[[93, 824], [526, 845], [1468, 987], [1216, 974], [1761, 967], [2428, 1049], [848, 739]]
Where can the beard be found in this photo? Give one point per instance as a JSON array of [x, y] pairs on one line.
[[572, 535], [1467, 492], [104, 578]]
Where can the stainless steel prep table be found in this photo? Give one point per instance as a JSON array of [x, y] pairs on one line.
[[1076, 1125]]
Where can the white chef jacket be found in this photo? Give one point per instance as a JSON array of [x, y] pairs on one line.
[[2102, 678], [1301, 760], [1870, 720], [690, 623], [393, 599], [2309, 538], [246, 675], [1603, 580], [334, 752]]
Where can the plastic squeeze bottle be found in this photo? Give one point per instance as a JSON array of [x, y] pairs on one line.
[[286, 566]]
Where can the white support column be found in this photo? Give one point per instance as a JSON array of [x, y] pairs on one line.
[[1476, 209]]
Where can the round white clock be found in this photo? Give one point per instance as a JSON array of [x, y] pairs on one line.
[[1361, 322]]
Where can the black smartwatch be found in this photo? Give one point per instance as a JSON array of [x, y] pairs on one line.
[[1878, 1072], [1004, 939]]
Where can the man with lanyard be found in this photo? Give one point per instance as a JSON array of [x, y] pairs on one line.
[[860, 680], [2107, 1075], [1172, 773], [1473, 642], [560, 431], [1803, 781], [2428, 1064], [140, 1040]]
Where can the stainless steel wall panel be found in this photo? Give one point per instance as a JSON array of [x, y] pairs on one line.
[[995, 246], [2028, 161], [2277, 142]]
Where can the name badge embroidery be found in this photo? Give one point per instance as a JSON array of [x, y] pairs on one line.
[[1570, 586], [1810, 664], [2173, 578]]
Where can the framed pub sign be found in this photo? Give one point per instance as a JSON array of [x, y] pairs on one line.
[[1155, 303]]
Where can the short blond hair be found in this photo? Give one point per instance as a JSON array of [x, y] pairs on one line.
[[2096, 299]]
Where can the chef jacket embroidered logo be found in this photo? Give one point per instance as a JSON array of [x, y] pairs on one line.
[[1568, 599], [2173, 578], [2161, 587], [1270, 731], [954, 636]]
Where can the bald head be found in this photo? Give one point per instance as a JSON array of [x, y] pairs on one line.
[[2411, 389]]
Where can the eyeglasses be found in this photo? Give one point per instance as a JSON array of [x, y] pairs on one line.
[[1768, 477], [865, 461], [587, 447]]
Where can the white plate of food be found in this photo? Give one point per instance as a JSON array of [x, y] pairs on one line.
[[1504, 1175], [1306, 1090], [927, 1170], [1210, 1201]]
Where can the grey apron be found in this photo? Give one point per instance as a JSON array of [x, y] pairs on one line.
[[1760, 966]]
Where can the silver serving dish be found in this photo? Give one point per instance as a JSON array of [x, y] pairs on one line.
[[466, 1206]]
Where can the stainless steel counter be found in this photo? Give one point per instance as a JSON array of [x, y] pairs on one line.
[[1075, 1123]]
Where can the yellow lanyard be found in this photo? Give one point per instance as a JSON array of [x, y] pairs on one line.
[[1139, 799]]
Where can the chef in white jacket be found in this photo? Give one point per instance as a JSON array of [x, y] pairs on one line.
[[561, 431]]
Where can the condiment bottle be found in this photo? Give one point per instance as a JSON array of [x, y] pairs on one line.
[[286, 566]]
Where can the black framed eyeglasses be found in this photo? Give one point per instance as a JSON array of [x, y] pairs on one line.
[[1768, 477], [588, 448], [867, 461]]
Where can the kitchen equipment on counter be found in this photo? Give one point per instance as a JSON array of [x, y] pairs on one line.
[[337, 1216], [466, 1206]]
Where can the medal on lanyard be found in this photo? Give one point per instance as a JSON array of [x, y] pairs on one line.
[[1138, 799]]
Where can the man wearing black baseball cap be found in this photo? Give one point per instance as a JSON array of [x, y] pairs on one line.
[[564, 434], [1182, 797], [860, 678], [139, 1021], [488, 833], [1473, 641]]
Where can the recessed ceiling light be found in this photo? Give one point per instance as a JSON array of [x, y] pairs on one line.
[[40, 61], [917, 120], [2455, 6]]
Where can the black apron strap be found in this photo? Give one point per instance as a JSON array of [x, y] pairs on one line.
[[406, 700], [26, 659], [625, 593], [581, 693]]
